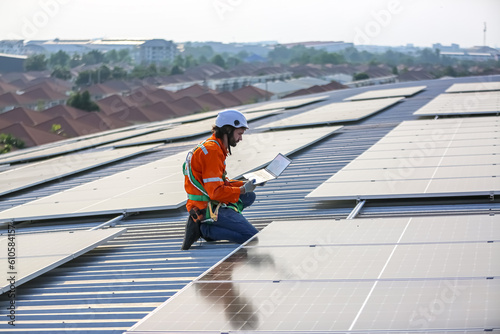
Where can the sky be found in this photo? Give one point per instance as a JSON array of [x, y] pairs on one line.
[[369, 22]]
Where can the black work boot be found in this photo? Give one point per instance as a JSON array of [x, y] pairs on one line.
[[191, 234]]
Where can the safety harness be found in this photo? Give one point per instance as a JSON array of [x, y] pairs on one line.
[[211, 214]]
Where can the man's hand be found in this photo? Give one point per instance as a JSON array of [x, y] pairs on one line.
[[248, 187]]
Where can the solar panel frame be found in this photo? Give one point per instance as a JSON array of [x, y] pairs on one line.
[[333, 113], [39, 253], [462, 104], [473, 87], [158, 185], [387, 93], [48, 170]]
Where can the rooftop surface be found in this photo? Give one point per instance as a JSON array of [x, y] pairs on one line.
[[111, 288]]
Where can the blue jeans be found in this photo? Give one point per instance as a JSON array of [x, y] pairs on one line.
[[231, 225]]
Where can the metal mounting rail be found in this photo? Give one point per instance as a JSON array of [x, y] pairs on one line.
[[356, 209]]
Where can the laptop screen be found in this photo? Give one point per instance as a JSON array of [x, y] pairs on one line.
[[278, 165]]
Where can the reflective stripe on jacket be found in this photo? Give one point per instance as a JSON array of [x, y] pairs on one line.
[[208, 166]]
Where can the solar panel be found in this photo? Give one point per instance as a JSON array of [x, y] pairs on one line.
[[422, 164], [158, 185], [283, 104], [473, 87], [185, 131], [462, 104], [39, 253], [78, 144], [55, 168], [416, 274], [334, 113], [385, 93]]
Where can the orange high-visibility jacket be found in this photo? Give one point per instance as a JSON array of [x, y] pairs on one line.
[[208, 166]]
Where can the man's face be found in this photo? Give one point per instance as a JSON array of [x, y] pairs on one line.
[[236, 137]]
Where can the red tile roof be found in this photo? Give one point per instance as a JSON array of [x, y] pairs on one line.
[[103, 122], [30, 135], [167, 109], [217, 100], [113, 104], [69, 127], [10, 99], [251, 94], [25, 116], [64, 110], [44, 94], [192, 104], [138, 115], [194, 91]]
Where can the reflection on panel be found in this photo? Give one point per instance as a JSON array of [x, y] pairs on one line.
[[415, 274]]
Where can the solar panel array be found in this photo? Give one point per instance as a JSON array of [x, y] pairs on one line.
[[462, 104], [38, 253], [47, 170], [184, 131], [384, 93], [283, 104], [81, 143], [396, 275], [158, 185], [473, 87], [334, 113], [448, 157]]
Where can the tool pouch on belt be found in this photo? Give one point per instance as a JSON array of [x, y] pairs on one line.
[[200, 216]]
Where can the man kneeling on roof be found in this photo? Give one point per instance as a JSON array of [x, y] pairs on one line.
[[214, 202]]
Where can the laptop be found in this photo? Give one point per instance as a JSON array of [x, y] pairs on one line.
[[271, 172]]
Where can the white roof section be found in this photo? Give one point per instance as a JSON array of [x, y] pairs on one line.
[[39, 253], [385, 93], [47, 170], [462, 104], [158, 185], [425, 162], [473, 87], [334, 113], [289, 86]]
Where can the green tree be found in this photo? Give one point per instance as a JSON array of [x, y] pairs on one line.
[[218, 60], [8, 141], [60, 58], [84, 78], [111, 56], [93, 57], [36, 62], [361, 76], [57, 129], [61, 72], [82, 101], [75, 60], [176, 70], [118, 73]]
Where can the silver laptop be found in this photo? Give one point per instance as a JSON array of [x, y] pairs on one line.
[[271, 172]]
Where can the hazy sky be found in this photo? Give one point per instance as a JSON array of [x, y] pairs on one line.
[[376, 22]]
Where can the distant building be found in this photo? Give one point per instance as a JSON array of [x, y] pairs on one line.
[[157, 51], [12, 47], [142, 51], [326, 46], [11, 63]]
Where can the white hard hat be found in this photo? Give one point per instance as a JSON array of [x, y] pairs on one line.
[[231, 117]]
